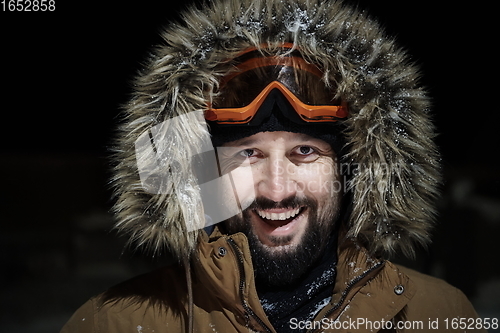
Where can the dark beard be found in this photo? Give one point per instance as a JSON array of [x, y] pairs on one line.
[[285, 267]]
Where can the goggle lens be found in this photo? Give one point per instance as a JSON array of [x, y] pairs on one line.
[[243, 92]]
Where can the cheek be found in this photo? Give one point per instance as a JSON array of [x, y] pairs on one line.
[[318, 179], [242, 185]]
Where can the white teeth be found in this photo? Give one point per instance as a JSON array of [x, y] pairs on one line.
[[278, 216]]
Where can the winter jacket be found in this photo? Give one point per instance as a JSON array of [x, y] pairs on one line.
[[388, 144], [370, 295]]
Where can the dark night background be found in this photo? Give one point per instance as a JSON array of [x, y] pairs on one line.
[[64, 75]]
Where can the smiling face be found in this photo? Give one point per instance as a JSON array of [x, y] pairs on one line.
[[297, 198]]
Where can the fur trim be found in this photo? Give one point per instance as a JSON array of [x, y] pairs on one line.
[[389, 135]]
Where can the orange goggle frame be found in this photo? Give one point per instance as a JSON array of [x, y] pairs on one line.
[[308, 113], [244, 114]]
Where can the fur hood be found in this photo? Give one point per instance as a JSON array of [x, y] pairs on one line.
[[388, 132]]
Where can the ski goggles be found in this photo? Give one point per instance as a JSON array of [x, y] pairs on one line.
[[244, 94]]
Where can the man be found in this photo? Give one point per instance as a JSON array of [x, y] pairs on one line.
[[280, 150]]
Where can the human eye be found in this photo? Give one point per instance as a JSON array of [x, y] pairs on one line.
[[305, 150], [247, 153], [304, 154]]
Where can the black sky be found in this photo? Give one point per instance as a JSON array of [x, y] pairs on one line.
[[65, 73]]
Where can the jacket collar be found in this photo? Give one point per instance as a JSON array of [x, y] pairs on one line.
[[223, 265], [365, 287]]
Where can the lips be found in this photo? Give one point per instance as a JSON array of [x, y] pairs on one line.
[[283, 223], [279, 220]]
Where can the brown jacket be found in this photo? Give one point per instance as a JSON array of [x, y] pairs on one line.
[[369, 295], [389, 145]]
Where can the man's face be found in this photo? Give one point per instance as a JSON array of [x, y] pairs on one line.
[[297, 198]]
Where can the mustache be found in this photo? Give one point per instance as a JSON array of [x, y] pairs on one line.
[[292, 202]]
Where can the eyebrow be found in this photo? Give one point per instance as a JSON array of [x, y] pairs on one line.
[[244, 142], [249, 141]]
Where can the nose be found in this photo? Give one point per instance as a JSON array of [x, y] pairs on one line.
[[277, 179]]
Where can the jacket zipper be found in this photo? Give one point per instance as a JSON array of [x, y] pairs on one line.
[[348, 289], [248, 310]]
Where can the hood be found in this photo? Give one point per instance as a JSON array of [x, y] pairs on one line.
[[392, 160]]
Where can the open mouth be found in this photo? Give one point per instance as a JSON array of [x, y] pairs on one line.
[[281, 217]]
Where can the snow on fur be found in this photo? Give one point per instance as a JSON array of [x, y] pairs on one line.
[[389, 134]]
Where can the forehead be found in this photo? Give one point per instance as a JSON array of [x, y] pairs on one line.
[[278, 137]]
